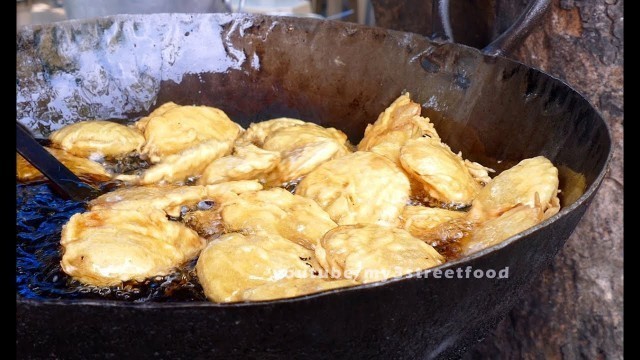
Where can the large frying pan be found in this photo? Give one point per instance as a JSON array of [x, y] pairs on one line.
[[493, 109]]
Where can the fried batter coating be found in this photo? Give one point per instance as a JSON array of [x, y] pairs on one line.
[[443, 174], [302, 148], [97, 138], [348, 223], [172, 129], [82, 167], [277, 211], [368, 253], [288, 288], [207, 223], [218, 191], [258, 132], [247, 162], [106, 247], [142, 123], [400, 122], [169, 198], [478, 171], [496, 230], [235, 263], [530, 182], [420, 221], [435, 226], [362, 187], [179, 167]]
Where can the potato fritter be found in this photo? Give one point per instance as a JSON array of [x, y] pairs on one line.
[[97, 138], [235, 263], [368, 253], [107, 247], [359, 188]]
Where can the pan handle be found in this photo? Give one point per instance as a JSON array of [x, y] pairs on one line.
[[507, 41], [441, 23]]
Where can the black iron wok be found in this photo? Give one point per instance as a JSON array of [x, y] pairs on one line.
[[494, 110]]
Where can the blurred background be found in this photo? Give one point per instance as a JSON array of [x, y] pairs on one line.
[[45, 11]]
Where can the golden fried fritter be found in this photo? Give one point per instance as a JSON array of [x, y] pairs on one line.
[[247, 162], [368, 253], [169, 198], [302, 148], [478, 171], [258, 132], [97, 138], [82, 167], [177, 168], [142, 123], [421, 220], [531, 182], [443, 174], [277, 211], [362, 187], [106, 247], [496, 230], [235, 263], [400, 122], [172, 129], [435, 226], [208, 222], [218, 191]]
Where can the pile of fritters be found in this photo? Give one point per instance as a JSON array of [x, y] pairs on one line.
[[285, 207]]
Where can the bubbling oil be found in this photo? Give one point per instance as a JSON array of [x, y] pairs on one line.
[[39, 219]]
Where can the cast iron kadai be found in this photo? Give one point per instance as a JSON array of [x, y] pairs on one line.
[[495, 110]]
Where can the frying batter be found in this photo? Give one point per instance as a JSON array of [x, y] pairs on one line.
[[353, 218], [358, 188], [97, 138], [235, 263], [368, 253], [258, 132], [494, 231], [397, 124], [82, 167], [302, 148], [277, 211], [169, 198], [532, 181], [443, 174], [107, 247], [424, 222], [247, 162], [178, 168], [172, 129]]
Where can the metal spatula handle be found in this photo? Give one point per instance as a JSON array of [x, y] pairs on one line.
[[62, 179]]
